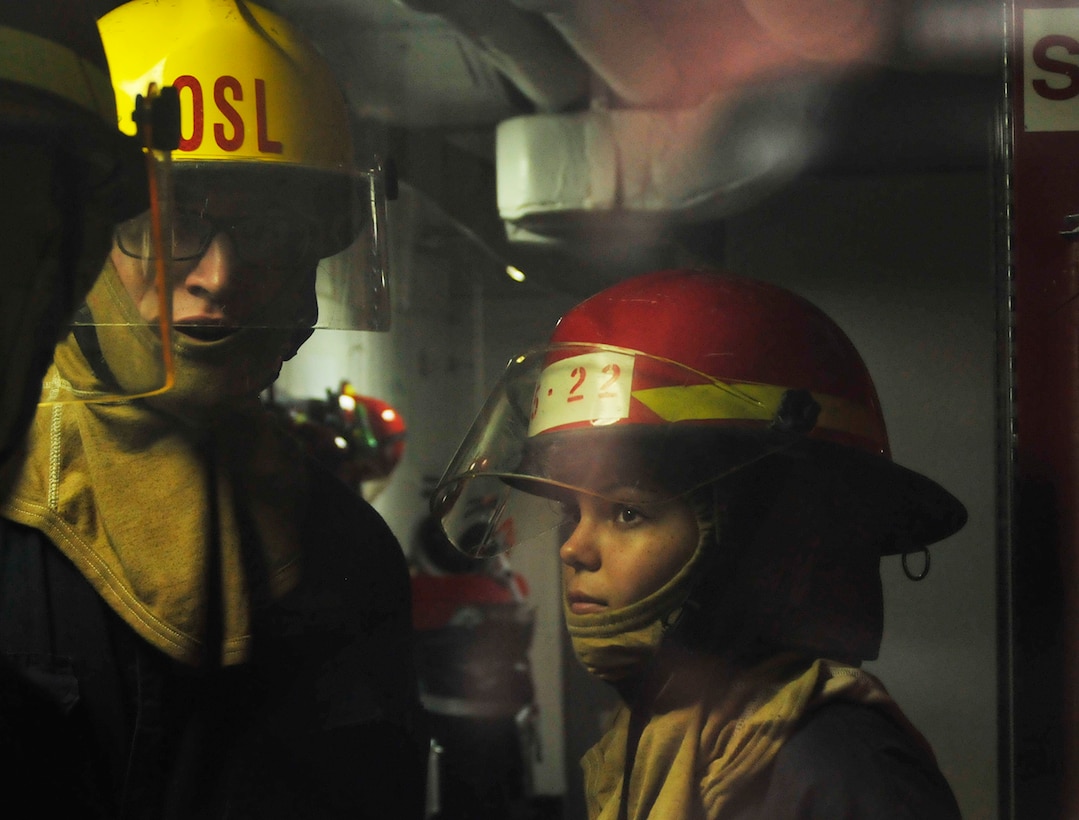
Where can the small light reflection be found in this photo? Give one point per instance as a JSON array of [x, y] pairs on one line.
[[516, 274]]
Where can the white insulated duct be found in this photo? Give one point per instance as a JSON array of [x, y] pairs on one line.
[[700, 107], [561, 175]]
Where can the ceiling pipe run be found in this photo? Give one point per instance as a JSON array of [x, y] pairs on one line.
[[522, 46], [679, 53]]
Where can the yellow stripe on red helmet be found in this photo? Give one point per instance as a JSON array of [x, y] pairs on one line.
[[719, 401]]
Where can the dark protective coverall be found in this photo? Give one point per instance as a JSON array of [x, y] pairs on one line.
[[781, 737], [848, 762], [95, 721]]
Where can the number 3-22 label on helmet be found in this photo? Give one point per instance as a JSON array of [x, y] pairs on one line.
[[592, 388]]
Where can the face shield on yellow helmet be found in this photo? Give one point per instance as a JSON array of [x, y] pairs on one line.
[[274, 226]]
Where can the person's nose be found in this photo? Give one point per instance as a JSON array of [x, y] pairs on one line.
[[213, 275], [580, 549]]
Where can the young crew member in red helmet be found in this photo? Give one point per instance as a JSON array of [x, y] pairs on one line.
[[708, 456], [217, 627]]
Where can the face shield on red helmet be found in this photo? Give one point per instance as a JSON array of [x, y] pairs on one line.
[[674, 380]]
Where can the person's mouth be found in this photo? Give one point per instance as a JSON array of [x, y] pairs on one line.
[[204, 329], [581, 604]]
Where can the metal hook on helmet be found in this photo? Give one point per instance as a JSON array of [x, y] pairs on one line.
[[925, 566], [797, 412]]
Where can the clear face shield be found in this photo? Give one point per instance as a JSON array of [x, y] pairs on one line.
[[265, 246], [258, 255], [614, 424]]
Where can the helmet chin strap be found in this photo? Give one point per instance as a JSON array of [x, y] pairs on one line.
[[697, 623]]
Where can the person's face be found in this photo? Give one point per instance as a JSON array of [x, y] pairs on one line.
[[620, 551], [244, 267]]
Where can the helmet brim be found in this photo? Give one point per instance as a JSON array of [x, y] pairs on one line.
[[911, 510]]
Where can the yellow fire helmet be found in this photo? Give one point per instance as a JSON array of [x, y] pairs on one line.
[[265, 161]]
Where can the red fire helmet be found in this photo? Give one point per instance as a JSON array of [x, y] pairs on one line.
[[703, 373], [359, 438], [377, 428]]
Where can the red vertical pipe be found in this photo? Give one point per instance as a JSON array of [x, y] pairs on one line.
[[1044, 179]]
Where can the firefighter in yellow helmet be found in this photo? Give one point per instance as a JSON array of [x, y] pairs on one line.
[[234, 620], [69, 175]]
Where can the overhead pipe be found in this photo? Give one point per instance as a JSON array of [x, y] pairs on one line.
[[681, 52], [522, 46], [625, 48]]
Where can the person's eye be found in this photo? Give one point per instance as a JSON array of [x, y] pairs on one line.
[[627, 515], [191, 235]]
